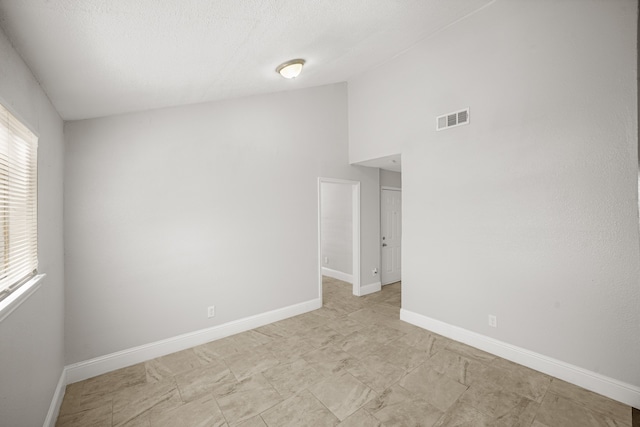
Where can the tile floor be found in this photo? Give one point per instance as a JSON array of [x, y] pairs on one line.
[[351, 363]]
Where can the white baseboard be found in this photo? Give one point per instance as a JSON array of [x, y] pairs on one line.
[[345, 277], [56, 402], [370, 288], [121, 359], [598, 383]]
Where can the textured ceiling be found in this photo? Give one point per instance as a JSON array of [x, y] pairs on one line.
[[102, 57]]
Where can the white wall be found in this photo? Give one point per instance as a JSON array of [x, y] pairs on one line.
[[32, 337], [169, 211], [390, 179], [337, 227], [529, 212]]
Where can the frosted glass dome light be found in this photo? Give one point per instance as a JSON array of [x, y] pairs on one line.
[[290, 69]]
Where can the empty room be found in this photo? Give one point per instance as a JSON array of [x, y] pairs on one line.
[[310, 213]]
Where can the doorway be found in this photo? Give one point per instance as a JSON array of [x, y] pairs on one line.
[[352, 189], [391, 234]]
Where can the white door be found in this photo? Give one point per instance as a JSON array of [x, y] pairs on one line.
[[391, 231]]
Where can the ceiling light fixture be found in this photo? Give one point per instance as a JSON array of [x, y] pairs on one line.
[[290, 69]]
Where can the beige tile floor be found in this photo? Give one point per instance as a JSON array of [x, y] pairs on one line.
[[351, 363]]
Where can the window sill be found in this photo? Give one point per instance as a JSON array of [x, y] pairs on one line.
[[20, 295]]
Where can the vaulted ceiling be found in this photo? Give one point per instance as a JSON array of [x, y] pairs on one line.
[[102, 57]]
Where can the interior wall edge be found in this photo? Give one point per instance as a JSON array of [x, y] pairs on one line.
[[100, 365], [593, 381], [336, 274], [56, 401]]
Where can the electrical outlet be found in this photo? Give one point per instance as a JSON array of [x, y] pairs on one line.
[[326, 260], [493, 321], [374, 271], [211, 311]]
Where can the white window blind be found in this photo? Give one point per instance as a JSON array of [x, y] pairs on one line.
[[18, 203]]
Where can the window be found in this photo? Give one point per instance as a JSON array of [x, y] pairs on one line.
[[18, 203]]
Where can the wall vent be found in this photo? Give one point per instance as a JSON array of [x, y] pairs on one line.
[[457, 118]]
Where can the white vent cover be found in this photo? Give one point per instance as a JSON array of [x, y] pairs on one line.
[[451, 120]]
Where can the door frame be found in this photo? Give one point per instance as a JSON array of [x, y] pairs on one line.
[[355, 237], [382, 188]]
